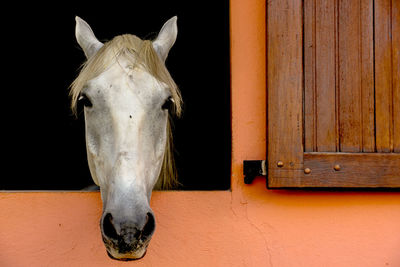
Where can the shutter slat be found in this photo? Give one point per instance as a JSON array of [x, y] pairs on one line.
[[349, 77], [367, 76], [383, 76], [325, 75], [285, 83], [396, 73]]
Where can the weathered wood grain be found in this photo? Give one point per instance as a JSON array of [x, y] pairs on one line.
[[396, 73], [351, 101], [338, 76], [349, 77], [325, 75], [285, 82], [366, 170], [367, 76], [383, 76], [310, 135]]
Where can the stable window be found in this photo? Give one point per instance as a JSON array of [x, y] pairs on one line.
[[333, 94], [45, 144]]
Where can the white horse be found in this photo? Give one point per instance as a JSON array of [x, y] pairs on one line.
[[127, 94]]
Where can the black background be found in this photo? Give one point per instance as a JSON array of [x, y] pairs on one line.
[[44, 145]]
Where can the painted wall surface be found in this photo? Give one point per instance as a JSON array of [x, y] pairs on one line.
[[248, 226]]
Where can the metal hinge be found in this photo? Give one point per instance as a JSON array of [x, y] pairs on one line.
[[252, 169]]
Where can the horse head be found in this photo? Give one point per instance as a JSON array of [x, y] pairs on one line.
[[127, 94]]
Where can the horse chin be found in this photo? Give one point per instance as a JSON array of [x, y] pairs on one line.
[[130, 256]]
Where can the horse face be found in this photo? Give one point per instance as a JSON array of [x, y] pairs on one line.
[[126, 120], [125, 138]]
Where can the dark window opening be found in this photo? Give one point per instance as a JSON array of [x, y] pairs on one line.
[[44, 145]]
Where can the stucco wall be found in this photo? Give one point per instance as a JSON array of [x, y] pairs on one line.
[[248, 226]]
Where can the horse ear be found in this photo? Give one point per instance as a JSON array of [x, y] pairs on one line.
[[166, 38], [85, 37]]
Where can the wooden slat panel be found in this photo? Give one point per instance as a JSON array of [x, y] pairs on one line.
[[372, 170], [383, 76], [310, 143], [325, 75], [396, 73], [322, 81], [367, 76], [285, 83], [349, 76]]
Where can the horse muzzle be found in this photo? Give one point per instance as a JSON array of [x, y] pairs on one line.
[[126, 240]]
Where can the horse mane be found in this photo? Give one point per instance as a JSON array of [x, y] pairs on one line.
[[138, 52]]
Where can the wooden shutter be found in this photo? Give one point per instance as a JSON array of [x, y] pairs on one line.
[[333, 93]]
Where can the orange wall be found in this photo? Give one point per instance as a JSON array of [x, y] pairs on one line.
[[248, 226]]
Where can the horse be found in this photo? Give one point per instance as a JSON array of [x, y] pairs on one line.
[[128, 98]]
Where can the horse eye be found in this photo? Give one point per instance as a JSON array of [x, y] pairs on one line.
[[168, 103], [84, 100]]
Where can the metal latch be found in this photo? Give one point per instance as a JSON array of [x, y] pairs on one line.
[[252, 169]]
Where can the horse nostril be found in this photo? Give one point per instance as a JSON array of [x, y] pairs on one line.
[[108, 227], [129, 233], [150, 225]]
